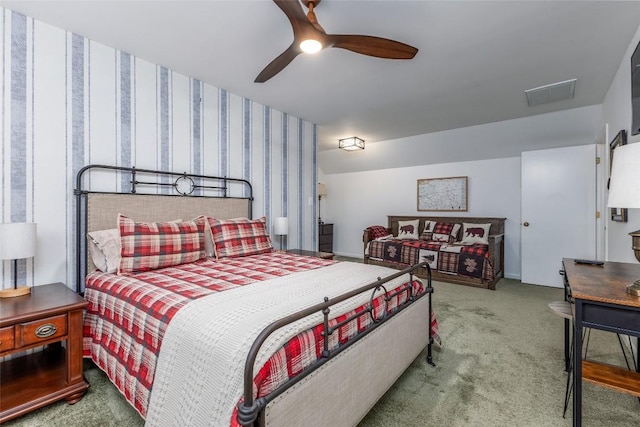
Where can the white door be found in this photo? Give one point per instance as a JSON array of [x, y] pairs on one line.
[[558, 211]]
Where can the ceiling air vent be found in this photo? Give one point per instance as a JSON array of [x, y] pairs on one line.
[[551, 93]]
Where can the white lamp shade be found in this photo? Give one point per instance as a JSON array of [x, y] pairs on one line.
[[624, 187], [281, 226], [322, 189], [17, 240]]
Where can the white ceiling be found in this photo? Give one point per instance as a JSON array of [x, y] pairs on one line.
[[475, 58]]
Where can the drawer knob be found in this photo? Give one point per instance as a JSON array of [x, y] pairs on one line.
[[46, 330]]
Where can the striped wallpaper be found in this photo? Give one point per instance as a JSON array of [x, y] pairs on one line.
[[68, 101]]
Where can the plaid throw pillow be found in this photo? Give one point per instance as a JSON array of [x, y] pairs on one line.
[[240, 237], [441, 232], [152, 245], [377, 231], [427, 233]]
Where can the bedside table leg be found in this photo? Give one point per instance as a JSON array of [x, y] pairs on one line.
[[75, 365], [76, 397], [74, 348]]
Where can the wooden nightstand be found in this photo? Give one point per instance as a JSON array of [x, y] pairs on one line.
[[50, 316]]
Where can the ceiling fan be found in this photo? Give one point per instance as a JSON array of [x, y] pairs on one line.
[[310, 37]]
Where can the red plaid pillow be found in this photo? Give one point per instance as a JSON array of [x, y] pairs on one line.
[[240, 237], [442, 232], [152, 245], [377, 231]]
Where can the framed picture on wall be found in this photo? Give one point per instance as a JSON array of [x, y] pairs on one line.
[[443, 194], [617, 214]]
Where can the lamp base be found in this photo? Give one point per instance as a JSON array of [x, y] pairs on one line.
[[17, 292], [634, 289]]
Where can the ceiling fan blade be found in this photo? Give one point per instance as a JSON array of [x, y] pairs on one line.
[[279, 63], [372, 46], [293, 10]]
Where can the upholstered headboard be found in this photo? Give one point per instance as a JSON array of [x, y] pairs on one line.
[[103, 209], [217, 197]]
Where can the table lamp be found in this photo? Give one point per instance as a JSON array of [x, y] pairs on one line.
[[17, 241], [624, 192], [281, 228]]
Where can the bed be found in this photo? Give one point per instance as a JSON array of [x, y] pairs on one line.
[[219, 341], [462, 250]]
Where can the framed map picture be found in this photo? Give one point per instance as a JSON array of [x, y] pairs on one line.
[[443, 194]]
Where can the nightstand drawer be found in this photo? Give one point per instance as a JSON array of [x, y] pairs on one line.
[[326, 239], [326, 229], [43, 329], [6, 339]]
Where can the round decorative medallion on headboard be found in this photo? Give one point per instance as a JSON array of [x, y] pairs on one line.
[[184, 185]]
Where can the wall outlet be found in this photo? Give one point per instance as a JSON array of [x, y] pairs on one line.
[[310, 201]]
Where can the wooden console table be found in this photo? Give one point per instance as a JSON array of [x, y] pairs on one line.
[[601, 302]]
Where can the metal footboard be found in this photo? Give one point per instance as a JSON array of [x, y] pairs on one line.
[[249, 409]]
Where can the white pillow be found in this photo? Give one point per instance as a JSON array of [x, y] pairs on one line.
[[209, 247], [475, 233], [408, 229], [104, 247]]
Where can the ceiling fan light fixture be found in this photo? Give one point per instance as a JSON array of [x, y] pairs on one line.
[[311, 46], [351, 144], [310, 37]]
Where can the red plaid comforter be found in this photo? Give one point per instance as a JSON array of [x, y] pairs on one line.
[[127, 316]]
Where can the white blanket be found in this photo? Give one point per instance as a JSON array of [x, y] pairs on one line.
[[199, 375]]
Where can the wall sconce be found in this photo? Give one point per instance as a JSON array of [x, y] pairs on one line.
[[322, 191], [351, 144], [624, 192], [17, 241], [281, 228]]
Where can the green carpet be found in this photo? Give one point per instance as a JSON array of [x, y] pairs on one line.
[[501, 365]]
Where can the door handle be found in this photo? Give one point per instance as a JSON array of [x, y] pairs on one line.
[[526, 224]]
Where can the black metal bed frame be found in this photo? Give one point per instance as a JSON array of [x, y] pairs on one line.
[[184, 184], [251, 411]]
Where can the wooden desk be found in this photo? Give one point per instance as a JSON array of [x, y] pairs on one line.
[[601, 302]]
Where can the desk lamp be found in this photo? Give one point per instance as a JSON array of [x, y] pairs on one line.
[[624, 192], [17, 241]]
